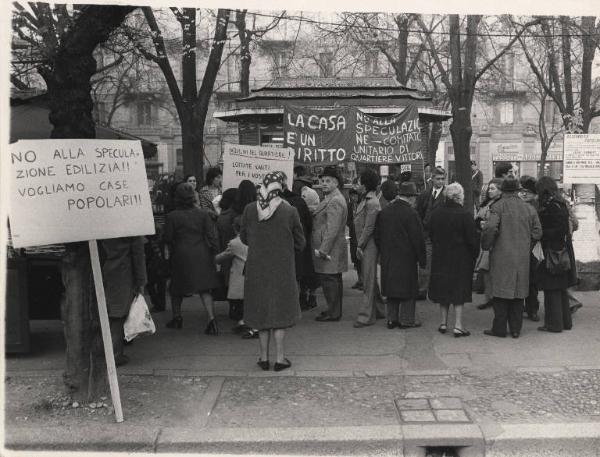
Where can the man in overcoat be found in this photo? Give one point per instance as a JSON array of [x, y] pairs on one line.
[[329, 243], [399, 237], [124, 273], [476, 183], [427, 201], [512, 229]]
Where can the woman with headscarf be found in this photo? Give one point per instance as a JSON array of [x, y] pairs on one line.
[[492, 194], [193, 242], [272, 231]]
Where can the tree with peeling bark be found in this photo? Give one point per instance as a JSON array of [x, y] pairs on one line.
[[190, 102], [465, 67]]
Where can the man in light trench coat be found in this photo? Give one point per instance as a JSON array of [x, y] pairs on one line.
[[329, 243]]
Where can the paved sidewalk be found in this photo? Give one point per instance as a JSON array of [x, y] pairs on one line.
[[349, 391]]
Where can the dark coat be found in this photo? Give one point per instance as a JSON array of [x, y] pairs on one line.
[[271, 298], [304, 258], [513, 227], [477, 183], [554, 217], [399, 237], [455, 246], [225, 227], [426, 204], [193, 242], [226, 234], [123, 270]]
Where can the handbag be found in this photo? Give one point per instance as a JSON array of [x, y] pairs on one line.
[[557, 261], [483, 261], [478, 283], [139, 320]]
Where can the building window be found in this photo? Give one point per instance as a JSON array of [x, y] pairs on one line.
[[281, 60], [506, 112], [508, 70], [326, 64], [372, 62], [144, 113], [179, 156]]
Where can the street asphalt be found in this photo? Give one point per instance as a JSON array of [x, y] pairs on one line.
[[366, 391]]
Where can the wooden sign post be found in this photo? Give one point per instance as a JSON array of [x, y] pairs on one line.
[[109, 355], [68, 190]]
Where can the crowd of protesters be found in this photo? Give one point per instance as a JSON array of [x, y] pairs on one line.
[[268, 248]]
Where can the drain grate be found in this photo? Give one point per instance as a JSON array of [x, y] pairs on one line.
[[441, 451]]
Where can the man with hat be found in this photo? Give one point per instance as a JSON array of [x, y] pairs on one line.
[[329, 243], [303, 187], [401, 243], [512, 229], [528, 194]]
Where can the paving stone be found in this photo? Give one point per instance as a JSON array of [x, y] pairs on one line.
[[417, 416], [446, 403], [412, 403], [451, 415], [420, 395]]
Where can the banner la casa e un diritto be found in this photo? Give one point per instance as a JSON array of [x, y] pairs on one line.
[[330, 136]]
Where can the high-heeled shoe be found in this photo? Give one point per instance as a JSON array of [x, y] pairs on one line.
[[176, 322], [212, 328]]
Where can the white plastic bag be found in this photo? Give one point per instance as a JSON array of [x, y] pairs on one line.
[[538, 252], [139, 321]]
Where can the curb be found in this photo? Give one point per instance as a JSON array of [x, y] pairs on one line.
[[557, 439], [410, 440]]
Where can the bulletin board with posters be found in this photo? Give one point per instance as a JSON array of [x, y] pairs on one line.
[[581, 159]]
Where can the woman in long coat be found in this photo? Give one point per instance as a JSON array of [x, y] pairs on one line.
[[455, 248], [492, 194], [554, 217], [272, 231], [192, 239], [124, 273]]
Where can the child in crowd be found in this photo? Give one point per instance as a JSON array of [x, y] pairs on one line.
[[236, 252]]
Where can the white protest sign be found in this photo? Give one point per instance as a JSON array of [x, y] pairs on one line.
[[75, 190], [581, 159], [254, 162]]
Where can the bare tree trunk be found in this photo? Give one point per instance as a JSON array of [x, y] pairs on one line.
[[245, 55], [461, 132], [69, 90], [206, 89], [434, 135]]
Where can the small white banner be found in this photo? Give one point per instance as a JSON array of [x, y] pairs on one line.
[[581, 159], [69, 190], [254, 162]]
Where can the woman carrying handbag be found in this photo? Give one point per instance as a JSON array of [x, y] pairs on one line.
[[554, 272], [482, 265]]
